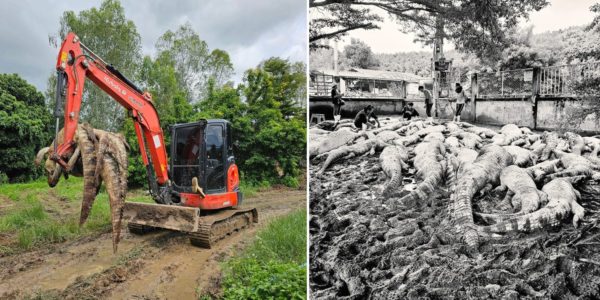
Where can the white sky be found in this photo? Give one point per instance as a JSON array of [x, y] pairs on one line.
[[250, 31], [558, 14]]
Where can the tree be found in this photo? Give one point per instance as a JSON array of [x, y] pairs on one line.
[[359, 55], [477, 27], [24, 128], [289, 84], [194, 63], [268, 147], [159, 78], [334, 19], [584, 45], [113, 37]]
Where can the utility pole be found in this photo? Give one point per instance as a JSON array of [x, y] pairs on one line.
[[439, 66], [438, 55]]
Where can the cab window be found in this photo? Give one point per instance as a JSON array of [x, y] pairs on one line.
[[215, 172]]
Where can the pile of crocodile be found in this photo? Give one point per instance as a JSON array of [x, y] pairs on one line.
[[442, 210], [98, 156]]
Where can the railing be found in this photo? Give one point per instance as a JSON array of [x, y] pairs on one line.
[[506, 84], [567, 80], [555, 81]]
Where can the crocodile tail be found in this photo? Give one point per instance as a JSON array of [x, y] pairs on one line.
[[393, 184], [471, 237], [333, 156], [463, 212], [424, 189], [545, 217], [88, 144], [510, 225], [571, 172]]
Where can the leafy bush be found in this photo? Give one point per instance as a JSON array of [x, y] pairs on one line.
[[272, 280], [24, 128], [274, 266]]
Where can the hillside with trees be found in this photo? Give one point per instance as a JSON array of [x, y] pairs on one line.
[[570, 45]]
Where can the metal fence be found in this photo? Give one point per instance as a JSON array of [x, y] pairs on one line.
[[506, 84], [568, 80], [556, 81]]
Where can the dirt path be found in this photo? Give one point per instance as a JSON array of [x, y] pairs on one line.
[[159, 265]]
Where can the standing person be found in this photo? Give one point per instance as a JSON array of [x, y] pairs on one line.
[[428, 101], [363, 118], [408, 111], [336, 99], [461, 98]]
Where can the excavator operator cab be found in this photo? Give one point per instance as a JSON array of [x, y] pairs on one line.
[[202, 156]]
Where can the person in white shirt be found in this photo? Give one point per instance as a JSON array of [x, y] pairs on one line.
[[428, 101], [461, 98]]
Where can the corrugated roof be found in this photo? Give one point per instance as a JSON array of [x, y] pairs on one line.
[[374, 74]]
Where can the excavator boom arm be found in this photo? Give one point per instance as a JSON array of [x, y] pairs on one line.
[[76, 63]]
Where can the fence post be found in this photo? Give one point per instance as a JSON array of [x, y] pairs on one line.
[[474, 94], [535, 91]]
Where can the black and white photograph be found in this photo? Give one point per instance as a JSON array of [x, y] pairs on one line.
[[453, 149]]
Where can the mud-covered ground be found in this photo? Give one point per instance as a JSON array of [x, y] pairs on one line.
[[362, 248], [158, 265]]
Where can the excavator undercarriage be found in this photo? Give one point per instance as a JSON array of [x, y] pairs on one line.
[[204, 228]]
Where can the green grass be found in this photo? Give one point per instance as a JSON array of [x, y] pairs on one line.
[[250, 189], [40, 215], [274, 266]]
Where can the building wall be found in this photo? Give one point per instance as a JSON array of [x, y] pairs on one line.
[[447, 110], [353, 106], [505, 111], [553, 114]]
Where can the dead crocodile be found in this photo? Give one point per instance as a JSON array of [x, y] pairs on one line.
[[562, 202], [393, 161], [429, 163], [484, 171], [521, 193]]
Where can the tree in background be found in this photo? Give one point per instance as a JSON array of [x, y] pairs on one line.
[[277, 145], [358, 55], [160, 79], [269, 147], [194, 63], [289, 82], [114, 38], [585, 46], [24, 128], [476, 27], [336, 18]]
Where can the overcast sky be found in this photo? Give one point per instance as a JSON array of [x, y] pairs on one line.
[[250, 31], [559, 14]]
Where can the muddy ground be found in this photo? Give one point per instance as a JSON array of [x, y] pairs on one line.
[[158, 265], [361, 248]]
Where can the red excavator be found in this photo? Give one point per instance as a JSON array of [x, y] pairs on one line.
[[198, 192]]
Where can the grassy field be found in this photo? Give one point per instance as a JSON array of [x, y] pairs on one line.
[[33, 214], [274, 266]]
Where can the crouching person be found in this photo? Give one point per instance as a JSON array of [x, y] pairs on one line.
[[362, 121]]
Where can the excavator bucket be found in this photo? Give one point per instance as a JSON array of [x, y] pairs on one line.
[[203, 231], [146, 215]]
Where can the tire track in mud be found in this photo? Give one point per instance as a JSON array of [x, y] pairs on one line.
[[158, 265]]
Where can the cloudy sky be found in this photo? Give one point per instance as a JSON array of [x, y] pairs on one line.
[[559, 14], [250, 31]]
